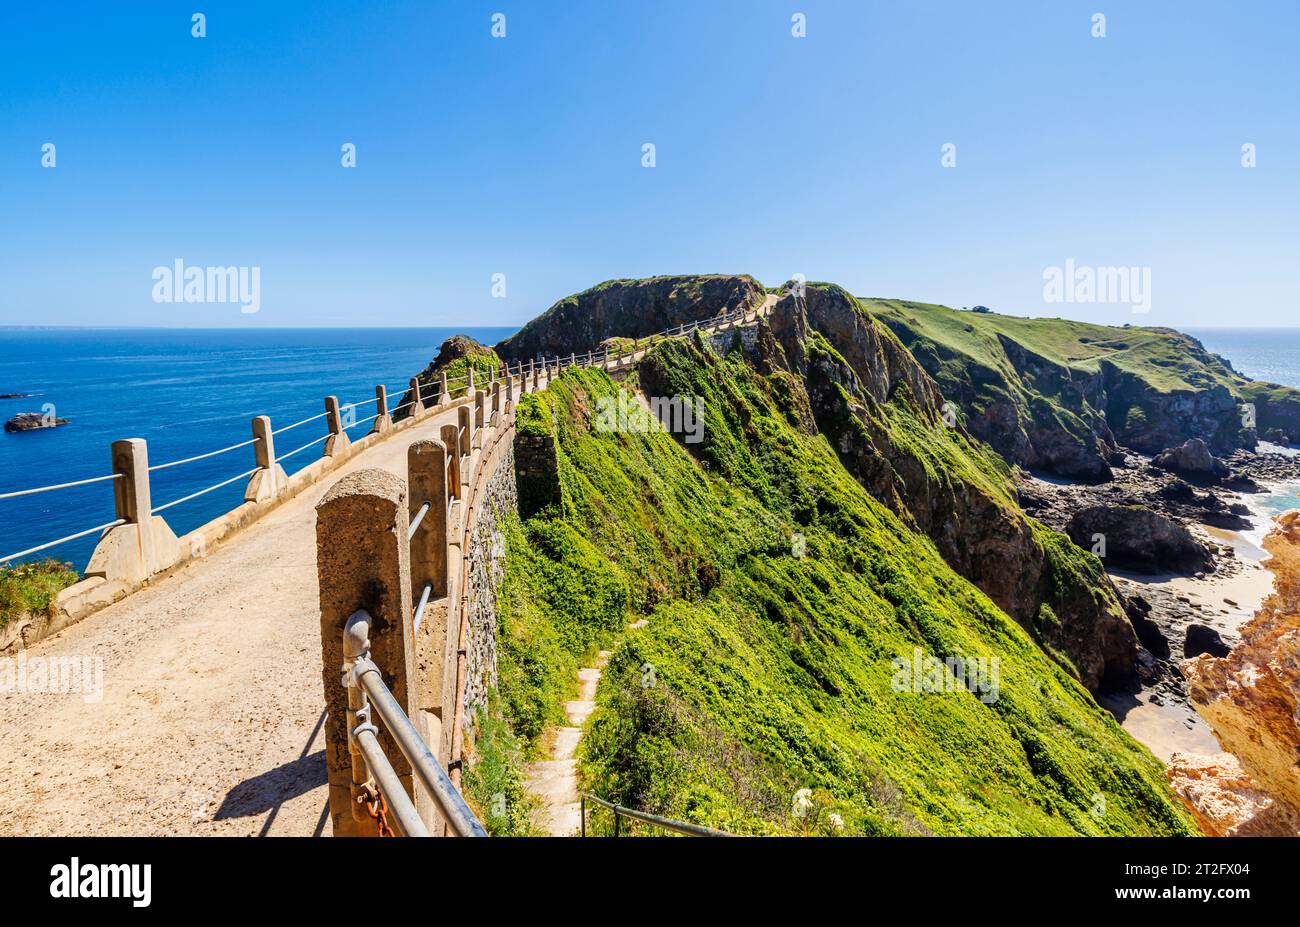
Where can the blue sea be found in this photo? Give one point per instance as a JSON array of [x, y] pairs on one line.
[[186, 392]]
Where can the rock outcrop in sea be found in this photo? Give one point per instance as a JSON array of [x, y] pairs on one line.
[[33, 421]]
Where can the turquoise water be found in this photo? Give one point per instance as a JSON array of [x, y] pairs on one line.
[[1271, 354], [186, 392]]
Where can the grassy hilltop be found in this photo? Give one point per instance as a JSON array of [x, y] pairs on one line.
[[1062, 395]]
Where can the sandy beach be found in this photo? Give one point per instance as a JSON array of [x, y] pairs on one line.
[[1224, 601]]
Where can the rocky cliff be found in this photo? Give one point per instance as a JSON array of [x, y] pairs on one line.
[[456, 357], [1251, 698], [628, 309], [884, 416], [1062, 396]]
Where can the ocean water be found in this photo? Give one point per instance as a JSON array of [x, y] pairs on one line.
[[186, 392], [1271, 354]]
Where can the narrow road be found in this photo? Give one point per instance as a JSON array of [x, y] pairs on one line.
[[211, 716]]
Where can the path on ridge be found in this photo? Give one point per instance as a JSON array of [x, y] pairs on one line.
[[212, 708], [211, 715]]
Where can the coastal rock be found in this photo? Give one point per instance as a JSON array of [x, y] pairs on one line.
[[1251, 697], [1203, 639], [1225, 800], [455, 355], [1139, 539], [858, 376], [1148, 631], [33, 421], [629, 309], [1192, 460]]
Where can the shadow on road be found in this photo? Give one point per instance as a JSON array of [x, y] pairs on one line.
[[269, 791]]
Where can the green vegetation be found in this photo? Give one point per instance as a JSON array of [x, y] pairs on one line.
[[494, 780], [484, 363], [1164, 358], [779, 595], [31, 587]]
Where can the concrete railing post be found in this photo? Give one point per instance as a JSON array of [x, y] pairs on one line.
[[451, 443], [385, 421], [131, 498], [510, 394], [444, 394], [430, 471], [469, 387], [269, 478], [496, 398], [418, 407], [363, 562], [338, 440], [479, 396], [533, 370]]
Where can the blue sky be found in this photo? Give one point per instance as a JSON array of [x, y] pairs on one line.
[[522, 155]]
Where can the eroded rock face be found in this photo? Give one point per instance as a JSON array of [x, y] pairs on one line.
[[1251, 698], [629, 309], [1225, 800], [851, 365], [1136, 538]]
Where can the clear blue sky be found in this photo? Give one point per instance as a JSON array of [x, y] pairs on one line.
[[522, 155]]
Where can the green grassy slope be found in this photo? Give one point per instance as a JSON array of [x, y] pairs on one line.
[[1059, 395], [778, 593], [1166, 359]]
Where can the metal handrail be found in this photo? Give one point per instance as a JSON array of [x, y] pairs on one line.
[[419, 517], [361, 673], [194, 495], [677, 827], [280, 431], [177, 463], [417, 616]]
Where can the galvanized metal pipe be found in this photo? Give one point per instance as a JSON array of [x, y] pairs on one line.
[[415, 522], [418, 616], [390, 786], [450, 802], [680, 827]]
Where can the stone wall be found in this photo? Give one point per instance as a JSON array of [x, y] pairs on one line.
[[539, 472], [486, 567], [722, 341]]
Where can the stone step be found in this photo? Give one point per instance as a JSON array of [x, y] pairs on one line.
[[587, 681], [579, 710], [566, 742]]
